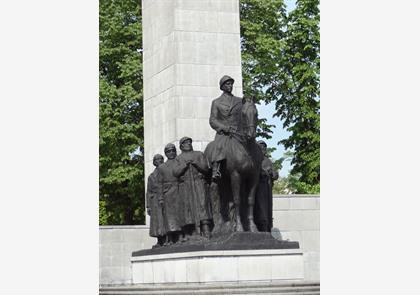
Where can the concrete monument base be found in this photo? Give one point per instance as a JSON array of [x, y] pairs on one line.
[[219, 266]]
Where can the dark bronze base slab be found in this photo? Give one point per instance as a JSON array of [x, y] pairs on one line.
[[232, 241]]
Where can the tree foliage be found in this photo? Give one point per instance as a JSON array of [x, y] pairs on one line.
[[281, 186], [298, 96], [121, 173], [291, 184], [261, 35], [281, 64]]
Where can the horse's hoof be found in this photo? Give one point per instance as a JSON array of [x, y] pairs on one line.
[[239, 227], [252, 227]]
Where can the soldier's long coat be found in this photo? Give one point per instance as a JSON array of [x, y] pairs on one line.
[[168, 192], [192, 187], [263, 210], [157, 226]]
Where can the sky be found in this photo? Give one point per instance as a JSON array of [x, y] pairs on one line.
[[290, 4], [267, 111]]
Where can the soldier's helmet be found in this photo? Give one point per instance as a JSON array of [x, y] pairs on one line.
[[224, 79], [262, 142], [157, 157], [169, 146], [182, 140]]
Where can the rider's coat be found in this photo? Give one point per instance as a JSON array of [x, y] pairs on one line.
[[225, 116]]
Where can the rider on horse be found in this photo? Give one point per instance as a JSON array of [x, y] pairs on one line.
[[225, 118]]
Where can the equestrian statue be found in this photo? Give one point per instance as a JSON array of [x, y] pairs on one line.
[[234, 156]]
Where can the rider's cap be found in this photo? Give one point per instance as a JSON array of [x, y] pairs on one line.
[[169, 146], [262, 142], [181, 141], [224, 79]]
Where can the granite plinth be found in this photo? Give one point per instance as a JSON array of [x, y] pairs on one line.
[[235, 257], [219, 266], [233, 241]]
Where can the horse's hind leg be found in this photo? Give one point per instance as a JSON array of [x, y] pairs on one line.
[[251, 203], [235, 180]]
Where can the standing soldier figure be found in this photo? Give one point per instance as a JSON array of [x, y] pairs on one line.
[[154, 209], [192, 169], [263, 210], [168, 195]]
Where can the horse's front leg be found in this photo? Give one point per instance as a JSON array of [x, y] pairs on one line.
[[235, 179], [251, 202]]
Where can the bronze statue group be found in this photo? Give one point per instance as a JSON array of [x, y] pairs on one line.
[[181, 191]]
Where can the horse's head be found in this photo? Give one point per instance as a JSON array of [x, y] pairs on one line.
[[249, 118]]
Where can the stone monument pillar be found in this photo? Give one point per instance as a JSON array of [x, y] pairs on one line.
[[188, 46]]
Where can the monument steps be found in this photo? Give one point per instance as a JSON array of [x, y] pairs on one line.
[[291, 288]]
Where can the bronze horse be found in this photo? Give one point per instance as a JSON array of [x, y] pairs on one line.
[[241, 170]]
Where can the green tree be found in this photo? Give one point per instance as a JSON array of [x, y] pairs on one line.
[[121, 168], [261, 36], [281, 64], [281, 186], [291, 184], [298, 93]]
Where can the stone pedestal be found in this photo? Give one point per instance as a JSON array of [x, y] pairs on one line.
[[219, 266]]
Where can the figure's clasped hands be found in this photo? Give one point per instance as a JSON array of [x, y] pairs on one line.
[[191, 162], [226, 130]]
